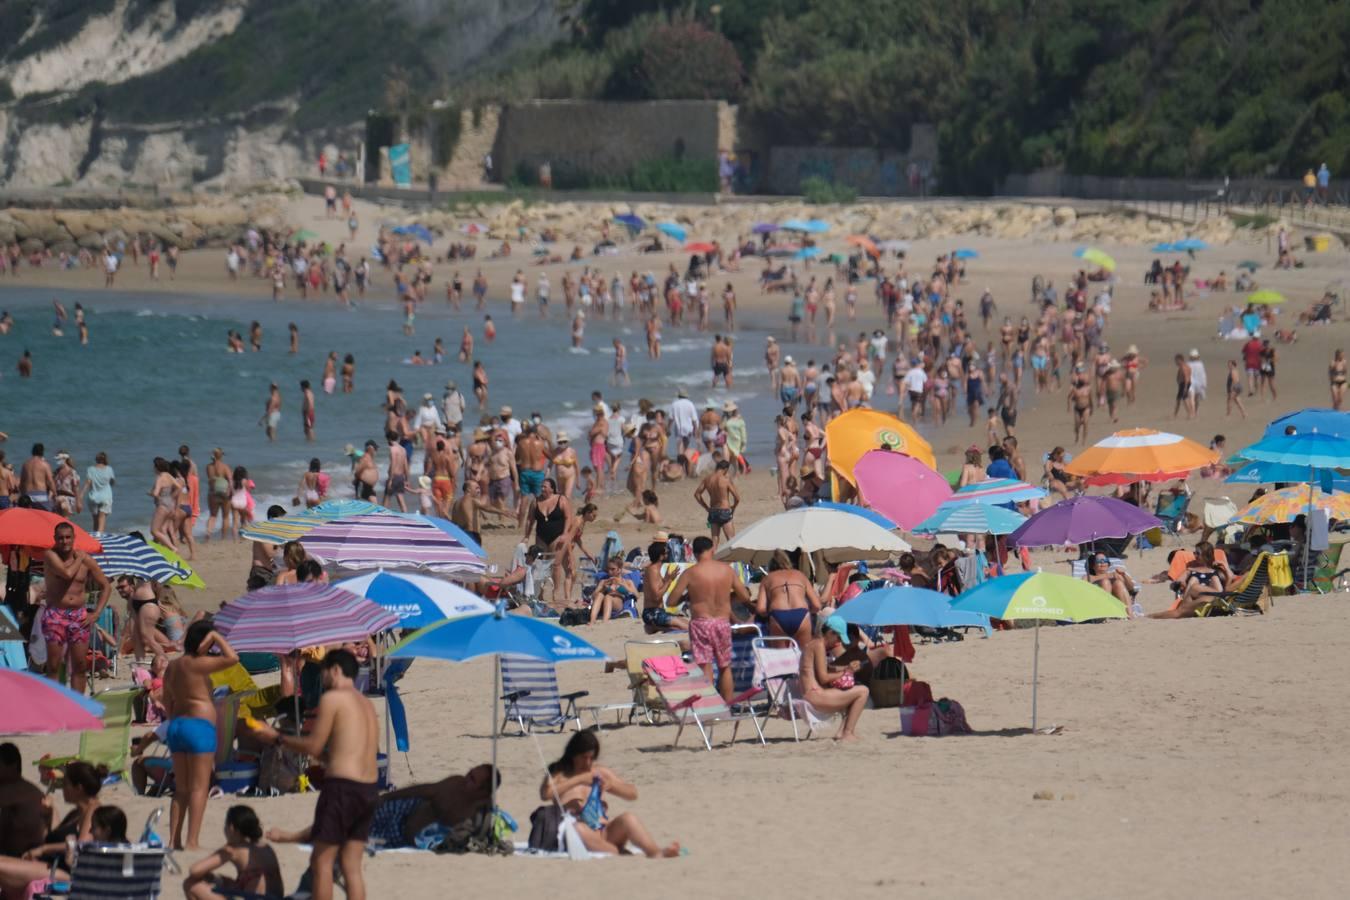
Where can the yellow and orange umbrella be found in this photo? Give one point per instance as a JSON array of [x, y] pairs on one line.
[[1287, 504], [866, 243], [1140, 454], [857, 431]]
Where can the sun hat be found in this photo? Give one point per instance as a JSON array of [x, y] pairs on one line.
[[730, 406]]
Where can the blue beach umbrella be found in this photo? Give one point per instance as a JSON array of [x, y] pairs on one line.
[[966, 253], [970, 518], [670, 229], [417, 600], [908, 606], [1311, 450], [1190, 245], [1321, 420], [634, 222], [421, 232], [809, 226], [126, 554], [1164, 247], [870, 515], [807, 253], [1279, 473]]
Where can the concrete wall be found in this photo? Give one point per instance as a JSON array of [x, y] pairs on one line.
[[871, 172], [594, 137]]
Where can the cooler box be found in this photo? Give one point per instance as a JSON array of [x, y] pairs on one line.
[[234, 777]]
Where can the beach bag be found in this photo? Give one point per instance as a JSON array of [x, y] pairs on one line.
[[570, 618], [948, 717], [545, 823], [279, 771], [887, 684]]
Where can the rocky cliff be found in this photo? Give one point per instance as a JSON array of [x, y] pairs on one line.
[[168, 93]]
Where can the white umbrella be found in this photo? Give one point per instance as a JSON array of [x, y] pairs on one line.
[[835, 535]]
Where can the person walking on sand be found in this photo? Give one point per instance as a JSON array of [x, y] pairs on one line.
[[1183, 388], [271, 416], [345, 734], [711, 587], [717, 494], [191, 734], [1336, 373], [1234, 389]]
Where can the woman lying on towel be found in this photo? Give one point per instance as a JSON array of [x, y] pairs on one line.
[[576, 782]]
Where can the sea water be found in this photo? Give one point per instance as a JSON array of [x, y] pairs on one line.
[[156, 374]]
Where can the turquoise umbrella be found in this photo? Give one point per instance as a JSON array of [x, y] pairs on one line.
[[904, 605], [1036, 596], [971, 518]]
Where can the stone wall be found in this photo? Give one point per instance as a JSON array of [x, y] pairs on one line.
[[579, 138], [871, 172]]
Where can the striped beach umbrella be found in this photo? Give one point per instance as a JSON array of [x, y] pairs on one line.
[[126, 554], [282, 618], [972, 518], [1140, 454], [393, 541], [297, 525], [996, 492]]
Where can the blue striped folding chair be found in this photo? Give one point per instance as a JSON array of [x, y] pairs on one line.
[[743, 655], [531, 698], [107, 871]]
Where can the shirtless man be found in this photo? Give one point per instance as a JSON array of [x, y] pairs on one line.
[[191, 734], [69, 574], [709, 424], [271, 416], [718, 495], [531, 468], [721, 361], [655, 619], [23, 812], [1080, 402], [36, 480], [711, 587], [789, 383], [788, 599], [345, 733], [443, 466], [396, 480], [307, 409], [366, 474], [503, 479], [468, 509]]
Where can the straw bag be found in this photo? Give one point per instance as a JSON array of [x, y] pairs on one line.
[[887, 684]]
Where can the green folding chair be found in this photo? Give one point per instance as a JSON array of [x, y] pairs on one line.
[[111, 746]]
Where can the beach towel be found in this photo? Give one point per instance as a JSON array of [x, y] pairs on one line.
[[593, 813], [668, 667]]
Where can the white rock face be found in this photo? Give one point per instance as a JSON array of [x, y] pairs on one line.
[[106, 50], [48, 155]]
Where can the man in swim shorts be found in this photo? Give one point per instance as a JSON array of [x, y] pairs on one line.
[[655, 617], [718, 495], [36, 480], [711, 587], [65, 622], [346, 733]]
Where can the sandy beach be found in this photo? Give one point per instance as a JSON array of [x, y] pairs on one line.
[[1196, 757]]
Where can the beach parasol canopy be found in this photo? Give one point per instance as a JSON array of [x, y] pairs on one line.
[[971, 518], [193, 580], [1190, 244], [298, 524], [1321, 420], [765, 228], [850, 435], [1287, 504], [1141, 454], [126, 554], [633, 221], [671, 230], [904, 605], [966, 253], [304, 234], [32, 704], [421, 232], [1274, 473], [282, 618], [1036, 596], [865, 243], [417, 600], [1250, 265], [870, 515], [22, 527], [900, 486], [837, 536], [809, 226], [699, 247], [395, 540], [1164, 247], [1082, 520], [1311, 450], [1266, 298], [807, 253], [1096, 257], [996, 492]]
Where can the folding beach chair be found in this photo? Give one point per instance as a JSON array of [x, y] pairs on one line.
[[1329, 577], [645, 698], [531, 695], [110, 747], [1250, 594], [688, 695], [108, 871], [1171, 510], [778, 663], [743, 656], [105, 645]]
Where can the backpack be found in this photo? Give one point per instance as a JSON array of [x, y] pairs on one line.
[[544, 824], [570, 618]]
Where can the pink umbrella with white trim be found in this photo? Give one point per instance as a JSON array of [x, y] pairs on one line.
[[900, 487]]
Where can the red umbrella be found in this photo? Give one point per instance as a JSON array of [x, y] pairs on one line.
[[21, 527], [702, 247]]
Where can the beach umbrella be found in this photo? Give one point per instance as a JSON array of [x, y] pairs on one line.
[[1164, 248], [1190, 245], [473, 228], [905, 605], [1096, 257], [870, 515], [298, 524], [1275, 473], [807, 253], [893, 245], [281, 618], [900, 486], [996, 492], [1311, 450], [126, 554], [971, 518], [493, 634], [864, 242], [850, 435], [671, 230], [394, 540], [32, 704], [634, 222], [765, 228], [417, 600], [191, 580], [1266, 298], [699, 247], [837, 536], [810, 226], [1036, 596], [966, 253], [1250, 265], [421, 232], [1287, 504], [1321, 420], [778, 251], [1082, 520], [1140, 454], [24, 527]]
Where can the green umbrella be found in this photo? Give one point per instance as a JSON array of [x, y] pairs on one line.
[[1097, 257], [1250, 265], [1267, 298], [1040, 595], [193, 580]]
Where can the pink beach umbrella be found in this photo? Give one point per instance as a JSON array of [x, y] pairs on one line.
[[31, 704], [900, 487]]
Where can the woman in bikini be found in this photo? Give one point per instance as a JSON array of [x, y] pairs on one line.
[[972, 471], [565, 465], [1056, 479], [832, 690], [1118, 584], [257, 871], [182, 511], [144, 614], [573, 779], [787, 599], [165, 493], [1337, 375], [1205, 577], [785, 450]]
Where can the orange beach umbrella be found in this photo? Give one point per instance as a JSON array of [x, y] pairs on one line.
[[857, 431], [1141, 454], [24, 527], [866, 243]]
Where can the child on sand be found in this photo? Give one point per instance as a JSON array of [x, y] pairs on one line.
[[258, 874]]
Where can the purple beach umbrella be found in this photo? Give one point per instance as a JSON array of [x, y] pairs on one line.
[[1081, 521], [282, 618]]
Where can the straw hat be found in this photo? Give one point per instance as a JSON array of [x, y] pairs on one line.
[[426, 397], [1132, 350], [450, 386], [561, 438], [1194, 354], [424, 482], [682, 394], [505, 412], [730, 407]]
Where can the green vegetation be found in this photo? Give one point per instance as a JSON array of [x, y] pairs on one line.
[[1253, 220], [820, 191], [445, 129]]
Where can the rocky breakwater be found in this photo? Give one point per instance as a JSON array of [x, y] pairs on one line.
[[182, 220]]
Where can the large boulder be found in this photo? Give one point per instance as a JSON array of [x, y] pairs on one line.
[[1065, 215]]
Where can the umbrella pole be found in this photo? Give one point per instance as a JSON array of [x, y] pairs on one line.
[[496, 691], [1035, 673]]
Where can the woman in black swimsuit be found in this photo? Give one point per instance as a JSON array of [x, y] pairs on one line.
[[549, 519], [80, 788], [1204, 578]]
